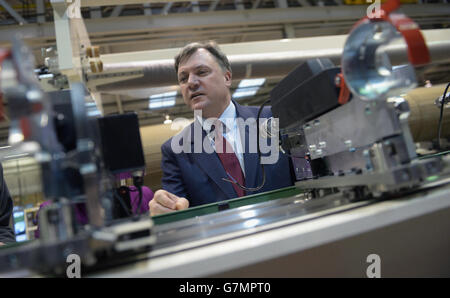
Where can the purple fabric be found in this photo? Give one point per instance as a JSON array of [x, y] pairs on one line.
[[81, 212], [122, 176], [147, 196], [80, 215]]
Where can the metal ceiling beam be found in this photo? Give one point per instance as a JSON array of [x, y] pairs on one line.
[[239, 5], [40, 10], [119, 104], [281, 3], [13, 13], [127, 24], [213, 5], [195, 6], [166, 8], [116, 11], [288, 31], [256, 4], [96, 12], [147, 9]]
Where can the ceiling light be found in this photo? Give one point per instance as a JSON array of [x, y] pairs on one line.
[[167, 121], [251, 83]]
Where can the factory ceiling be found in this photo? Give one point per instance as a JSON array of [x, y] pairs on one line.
[[121, 27]]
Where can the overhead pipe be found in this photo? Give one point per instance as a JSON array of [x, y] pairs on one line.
[[157, 73]]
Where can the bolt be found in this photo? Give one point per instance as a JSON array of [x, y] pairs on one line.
[[337, 81]]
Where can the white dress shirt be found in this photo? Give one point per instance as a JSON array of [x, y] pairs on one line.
[[231, 131]]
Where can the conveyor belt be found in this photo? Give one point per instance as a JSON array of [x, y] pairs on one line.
[[299, 225], [229, 224]]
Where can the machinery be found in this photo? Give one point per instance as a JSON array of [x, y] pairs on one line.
[[79, 158], [345, 128], [351, 129]]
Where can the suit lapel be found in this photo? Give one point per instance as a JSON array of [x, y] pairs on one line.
[[209, 162]]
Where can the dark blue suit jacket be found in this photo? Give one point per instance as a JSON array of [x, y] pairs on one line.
[[198, 176]]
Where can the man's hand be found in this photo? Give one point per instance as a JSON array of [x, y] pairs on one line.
[[1, 243], [165, 202]]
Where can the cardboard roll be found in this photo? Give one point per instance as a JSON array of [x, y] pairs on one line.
[[424, 116], [96, 66], [93, 52]]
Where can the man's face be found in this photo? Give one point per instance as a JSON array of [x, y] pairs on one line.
[[204, 84]]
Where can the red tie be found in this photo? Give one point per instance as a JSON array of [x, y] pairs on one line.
[[228, 158]]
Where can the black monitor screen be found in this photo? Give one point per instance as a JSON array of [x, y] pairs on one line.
[[121, 143]]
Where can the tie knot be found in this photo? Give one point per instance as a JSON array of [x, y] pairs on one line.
[[218, 127]]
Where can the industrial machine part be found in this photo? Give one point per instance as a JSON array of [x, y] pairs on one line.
[[369, 71], [73, 171], [362, 144]]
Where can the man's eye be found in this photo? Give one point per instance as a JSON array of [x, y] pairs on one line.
[[182, 79], [202, 72]]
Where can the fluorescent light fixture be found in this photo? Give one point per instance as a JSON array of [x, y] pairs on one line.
[[239, 93], [162, 95], [251, 83], [162, 100], [248, 87], [161, 103]]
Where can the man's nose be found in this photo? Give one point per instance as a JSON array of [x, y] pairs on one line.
[[193, 81]]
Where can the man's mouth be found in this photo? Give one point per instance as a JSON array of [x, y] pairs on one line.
[[196, 95]]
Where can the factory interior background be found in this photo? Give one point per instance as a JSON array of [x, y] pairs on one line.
[[153, 31]]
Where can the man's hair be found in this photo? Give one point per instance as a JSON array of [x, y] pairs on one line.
[[210, 46]]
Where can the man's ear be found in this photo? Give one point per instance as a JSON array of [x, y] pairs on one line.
[[228, 78]]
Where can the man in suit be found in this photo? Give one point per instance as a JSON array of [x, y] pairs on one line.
[[215, 159]]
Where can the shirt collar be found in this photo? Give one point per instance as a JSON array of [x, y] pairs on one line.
[[227, 117]]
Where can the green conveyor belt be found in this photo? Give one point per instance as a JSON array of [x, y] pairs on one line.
[[229, 204]]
